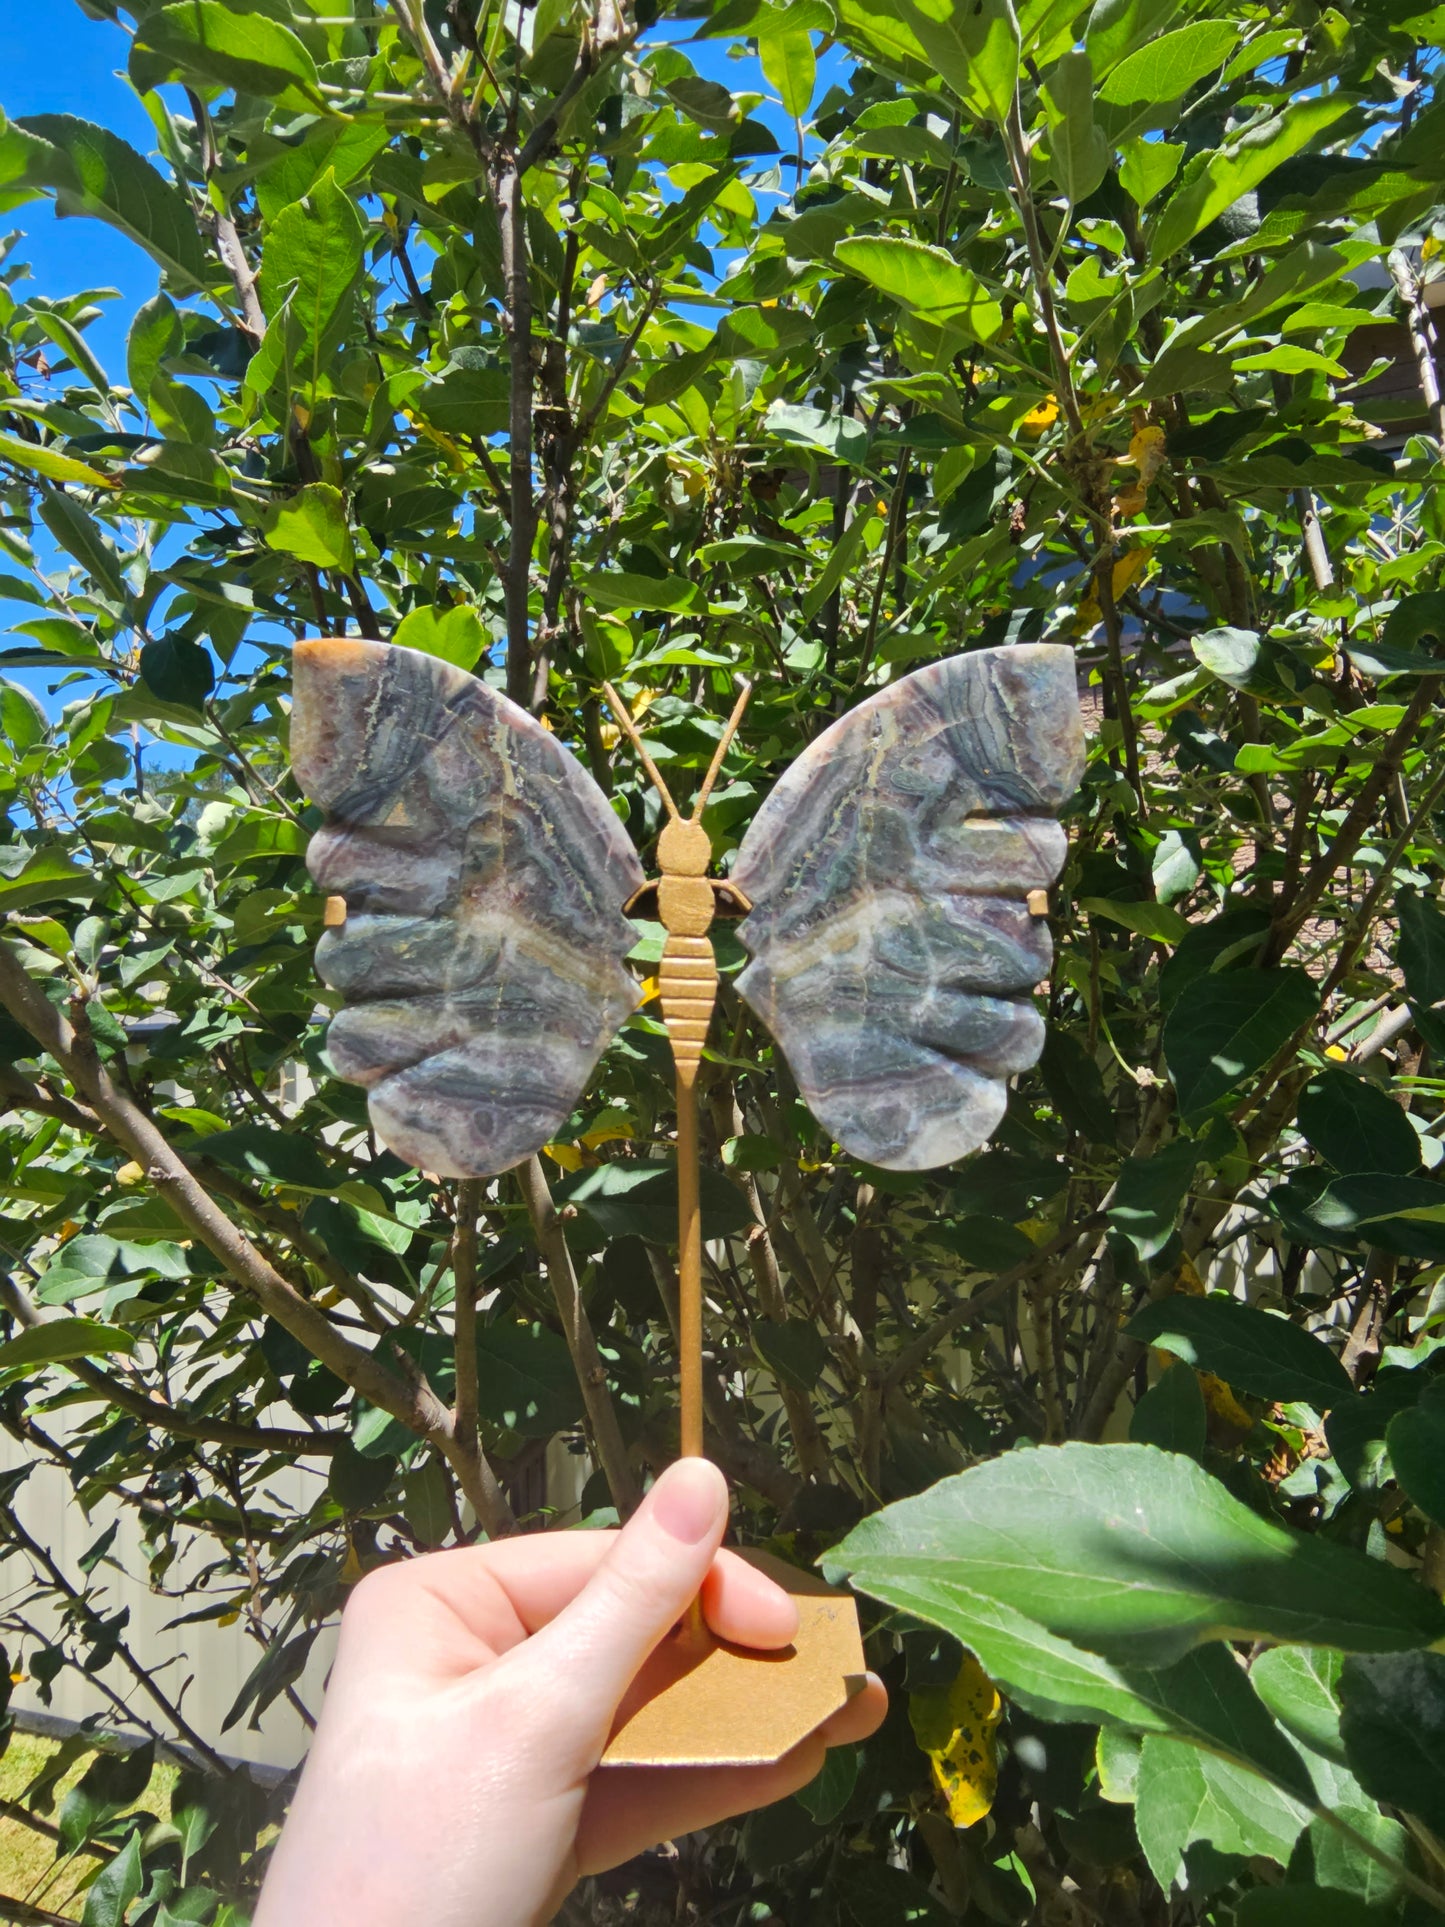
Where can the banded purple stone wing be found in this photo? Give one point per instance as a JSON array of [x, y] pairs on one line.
[[484, 877], [893, 952]]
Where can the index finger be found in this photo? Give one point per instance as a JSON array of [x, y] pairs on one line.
[[476, 1602]]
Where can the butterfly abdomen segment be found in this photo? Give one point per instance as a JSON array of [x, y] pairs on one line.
[[687, 991]]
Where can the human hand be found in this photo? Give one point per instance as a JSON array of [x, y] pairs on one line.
[[453, 1777]]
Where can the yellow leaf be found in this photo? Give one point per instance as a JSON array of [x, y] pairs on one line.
[[131, 1173], [567, 1155], [352, 1569], [229, 1619], [1223, 1405], [1188, 1280], [1041, 416], [955, 1726], [1337, 1052], [1130, 501], [609, 1130], [650, 989], [1128, 569], [1146, 451], [17, 1679]]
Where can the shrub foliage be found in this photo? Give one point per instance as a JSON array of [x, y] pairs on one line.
[[550, 340]]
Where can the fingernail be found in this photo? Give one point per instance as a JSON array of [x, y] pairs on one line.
[[687, 1500]]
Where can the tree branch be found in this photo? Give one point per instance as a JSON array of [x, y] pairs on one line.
[[126, 1123], [581, 1342], [1422, 337]]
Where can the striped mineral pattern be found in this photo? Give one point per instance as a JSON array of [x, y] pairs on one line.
[[893, 949], [480, 955]]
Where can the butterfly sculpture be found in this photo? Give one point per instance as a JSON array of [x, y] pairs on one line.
[[893, 881], [894, 888]]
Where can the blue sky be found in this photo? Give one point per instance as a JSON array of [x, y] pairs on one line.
[[59, 62]]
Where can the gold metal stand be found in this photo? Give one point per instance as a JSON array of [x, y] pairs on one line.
[[700, 1701]]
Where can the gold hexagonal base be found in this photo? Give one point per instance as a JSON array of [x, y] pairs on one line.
[[702, 1702]]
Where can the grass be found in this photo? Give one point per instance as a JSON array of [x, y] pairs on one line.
[[28, 1867]]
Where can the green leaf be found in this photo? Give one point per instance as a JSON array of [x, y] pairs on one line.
[[1393, 1726], [115, 1888], [1134, 1554], [154, 334], [1355, 1126], [1143, 917], [1184, 1795], [310, 265], [347, 150], [1230, 654], [641, 1200], [790, 67], [1232, 172], [1230, 1026], [48, 877], [280, 1157], [95, 172], [426, 1502], [41, 459], [1416, 1439], [72, 344], [1172, 1414], [1116, 1755], [455, 634], [1079, 152], [527, 1380], [1251, 1349], [1116, 27], [973, 47], [1148, 1195], [82, 536], [23, 720], [1148, 167], [61, 1339], [1076, 1086], [178, 671], [838, 436], [356, 1481], [616, 589], [926, 280], [1168, 67], [111, 1783], [205, 40], [312, 526], [1421, 952], [1300, 1686], [828, 1793], [794, 1350], [1416, 619]]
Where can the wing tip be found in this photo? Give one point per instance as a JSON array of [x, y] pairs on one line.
[[335, 652]]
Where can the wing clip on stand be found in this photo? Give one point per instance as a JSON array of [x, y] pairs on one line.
[[701, 1701]]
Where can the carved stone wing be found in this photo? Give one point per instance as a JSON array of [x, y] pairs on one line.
[[893, 951], [484, 878]]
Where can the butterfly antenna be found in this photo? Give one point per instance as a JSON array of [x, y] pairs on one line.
[[722, 749], [629, 730]]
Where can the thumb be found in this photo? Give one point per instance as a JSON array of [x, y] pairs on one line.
[[636, 1596]]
